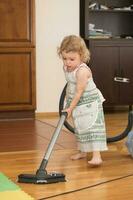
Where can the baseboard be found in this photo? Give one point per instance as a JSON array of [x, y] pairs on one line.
[[24, 114], [116, 108], [47, 115]]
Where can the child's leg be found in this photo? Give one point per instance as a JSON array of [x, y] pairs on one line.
[[96, 158], [78, 155]]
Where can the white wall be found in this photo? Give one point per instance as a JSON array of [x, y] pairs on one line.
[[54, 20]]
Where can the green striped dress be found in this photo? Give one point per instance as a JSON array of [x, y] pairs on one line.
[[88, 116]]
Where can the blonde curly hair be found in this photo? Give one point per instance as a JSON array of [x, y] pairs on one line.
[[75, 44]]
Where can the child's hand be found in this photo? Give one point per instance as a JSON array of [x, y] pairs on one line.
[[69, 111]]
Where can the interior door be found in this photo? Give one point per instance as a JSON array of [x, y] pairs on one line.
[[17, 59]]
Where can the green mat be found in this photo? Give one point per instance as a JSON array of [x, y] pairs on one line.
[[9, 190], [6, 184]]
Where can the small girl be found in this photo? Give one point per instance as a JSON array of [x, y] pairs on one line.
[[84, 100]]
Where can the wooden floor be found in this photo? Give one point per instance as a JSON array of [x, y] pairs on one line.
[[22, 146]]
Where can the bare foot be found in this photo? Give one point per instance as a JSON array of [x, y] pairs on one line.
[[95, 162], [78, 156], [96, 159]]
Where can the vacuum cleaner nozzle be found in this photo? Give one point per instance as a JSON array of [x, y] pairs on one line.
[[45, 179], [41, 175]]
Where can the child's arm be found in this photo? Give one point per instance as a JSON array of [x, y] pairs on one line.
[[82, 76]]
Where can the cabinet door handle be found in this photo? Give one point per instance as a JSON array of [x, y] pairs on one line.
[[122, 80]]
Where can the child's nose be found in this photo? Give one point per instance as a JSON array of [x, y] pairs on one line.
[[68, 63]]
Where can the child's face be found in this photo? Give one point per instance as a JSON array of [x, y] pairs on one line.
[[71, 60]]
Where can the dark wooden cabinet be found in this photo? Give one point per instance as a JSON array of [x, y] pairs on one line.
[[112, 67], [108, 32], [17, 59], [126, 67]]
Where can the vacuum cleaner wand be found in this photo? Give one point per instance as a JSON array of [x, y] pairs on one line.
[[41, 175]]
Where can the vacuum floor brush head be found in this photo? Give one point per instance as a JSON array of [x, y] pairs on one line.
[[47, 178], [41, 175]]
